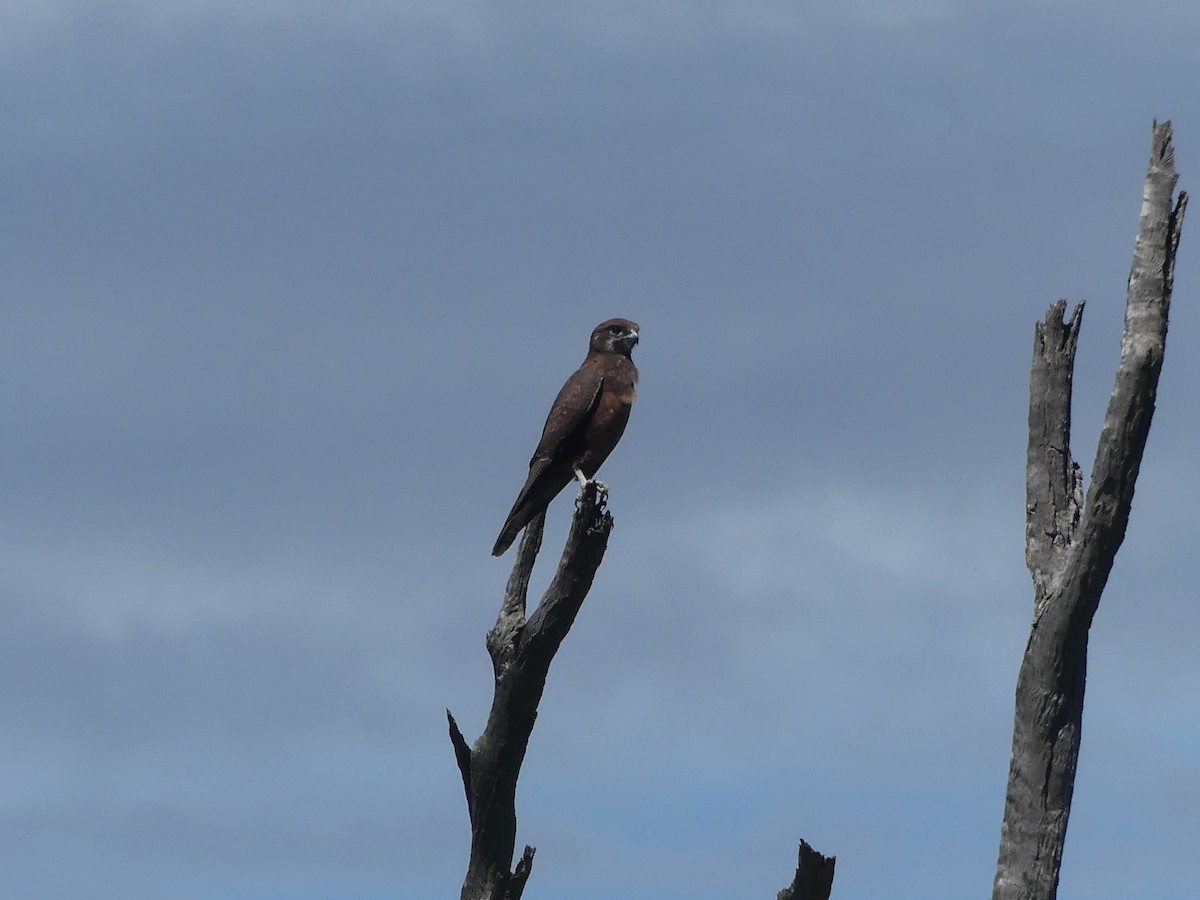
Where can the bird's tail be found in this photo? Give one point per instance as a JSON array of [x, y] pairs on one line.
[[512, 527], [535, 496]]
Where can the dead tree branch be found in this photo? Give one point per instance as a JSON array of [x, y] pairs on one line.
[[521, 651], [1071, 542], [814, 876]]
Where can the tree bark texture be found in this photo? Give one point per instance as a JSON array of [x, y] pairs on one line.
[[521, 650], [1070, 542]]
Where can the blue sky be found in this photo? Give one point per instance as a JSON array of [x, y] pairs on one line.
[[287, 289]]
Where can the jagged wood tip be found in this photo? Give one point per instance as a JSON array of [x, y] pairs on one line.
[[462, 753], [520, 875], [814, 876]]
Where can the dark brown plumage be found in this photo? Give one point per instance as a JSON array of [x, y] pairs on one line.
[[586, 421]]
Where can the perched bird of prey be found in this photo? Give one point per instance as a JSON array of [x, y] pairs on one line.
[[584, 425]]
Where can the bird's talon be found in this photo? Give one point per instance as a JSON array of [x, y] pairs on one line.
[[596, 492]]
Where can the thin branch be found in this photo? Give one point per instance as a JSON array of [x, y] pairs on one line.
[[510, 622], [1131, 407], [517, 588], [1053, 484]]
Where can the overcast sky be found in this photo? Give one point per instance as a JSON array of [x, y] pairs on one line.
[[287, 290]]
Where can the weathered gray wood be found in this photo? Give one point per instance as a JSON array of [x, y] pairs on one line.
[[521, 650], [1071, 545], [814, 876]]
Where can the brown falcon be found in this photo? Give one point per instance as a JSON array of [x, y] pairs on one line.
[[584, 425]]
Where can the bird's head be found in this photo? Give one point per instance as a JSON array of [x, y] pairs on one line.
[[615, 336]]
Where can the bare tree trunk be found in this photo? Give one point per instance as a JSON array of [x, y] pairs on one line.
[[521, 651], [1070, 543]]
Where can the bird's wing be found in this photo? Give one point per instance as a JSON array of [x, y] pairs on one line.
[[562, 436], [570, 414]]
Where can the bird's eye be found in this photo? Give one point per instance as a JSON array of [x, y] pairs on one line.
[[615, 329]]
